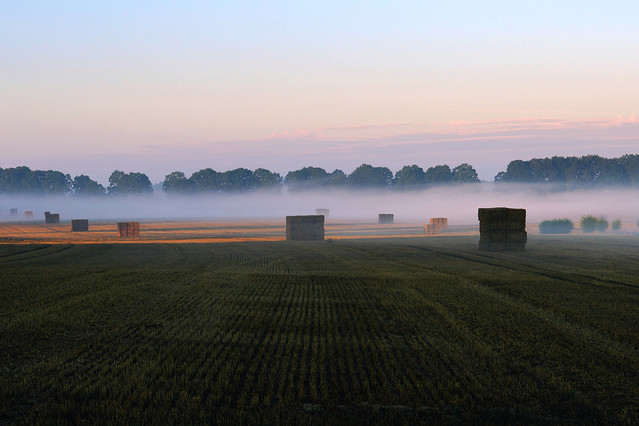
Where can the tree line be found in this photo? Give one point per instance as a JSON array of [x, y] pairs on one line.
[[566, 172], [572, 172], [22, 180]]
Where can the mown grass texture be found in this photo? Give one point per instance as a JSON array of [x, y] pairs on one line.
[[393, 330]]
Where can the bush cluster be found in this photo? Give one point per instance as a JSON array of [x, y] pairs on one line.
[[616, 225], [590, 223], [556, 226]]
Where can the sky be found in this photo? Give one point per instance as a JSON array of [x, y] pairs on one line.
[[89, 87]]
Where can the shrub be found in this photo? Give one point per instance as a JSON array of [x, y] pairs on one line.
[[602, 224], [616, 225], [590, 223], [556, 226]]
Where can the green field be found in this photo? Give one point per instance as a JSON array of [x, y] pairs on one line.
[[404, 330]]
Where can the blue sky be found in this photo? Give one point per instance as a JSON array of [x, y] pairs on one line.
[[89, 87]]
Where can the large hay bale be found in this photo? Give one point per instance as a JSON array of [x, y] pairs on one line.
[[385, 218], [441, 222], [323, 212], [502, 229], [129, 229], [51, 218], [28, 213], [305, 228], [430, 229], [79, 225], [13, 212]]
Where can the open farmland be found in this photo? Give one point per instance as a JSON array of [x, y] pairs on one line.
[[377, 330], [36, 232]]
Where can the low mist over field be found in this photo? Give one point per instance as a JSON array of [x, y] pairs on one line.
[[458, 203]]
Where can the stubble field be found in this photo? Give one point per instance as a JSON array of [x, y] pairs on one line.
[[380, 330]]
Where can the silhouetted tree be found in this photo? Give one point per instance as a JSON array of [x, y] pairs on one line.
[[307, 178], [206, 180], [177, 183], [465, 173], [20, 179], [265, 179], [53, 182], [337, 178], [84, 186], [121, 183], [237, 180], [409, 177], [367, 176], [438, 175], [589, 170]]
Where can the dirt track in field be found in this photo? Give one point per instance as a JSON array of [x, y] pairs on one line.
[[36, 232]]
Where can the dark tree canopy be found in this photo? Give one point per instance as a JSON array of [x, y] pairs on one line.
[[367, 176], [465, 173], [121, 183], [22, 179], [266, 179], [206, 180], [589, 170], [307, 178], [438, 175], [237, 180], [409, 177], [562, 172], [177, 183], [84, 186]]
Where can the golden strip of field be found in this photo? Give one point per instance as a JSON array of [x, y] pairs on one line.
[[201, 232]]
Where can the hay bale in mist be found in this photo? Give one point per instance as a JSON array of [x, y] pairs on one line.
[[51, 218], [436, 223], [502, 229], [323, 212], [79, 225], [385, 218], [431, 229], [129, 229], [13, 212], [305, 228], [28, 213], [441, 222]]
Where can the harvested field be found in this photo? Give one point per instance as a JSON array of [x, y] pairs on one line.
[[203, 231], [382, 331]]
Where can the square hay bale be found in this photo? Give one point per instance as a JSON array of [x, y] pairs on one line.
[[502, 229], [129, 229], [386, 218], [430, 229], [323, 212], [51, 218], [305, 228], [79, 225], [441, 222], [28, 213], [13, 212]]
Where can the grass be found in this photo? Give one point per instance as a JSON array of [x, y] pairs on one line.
[[394, 330]]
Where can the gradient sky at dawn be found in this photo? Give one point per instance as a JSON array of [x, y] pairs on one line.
[[89, 87]]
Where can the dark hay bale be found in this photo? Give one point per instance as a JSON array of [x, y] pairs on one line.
[[79, 225], [305, 228], [386, 218]]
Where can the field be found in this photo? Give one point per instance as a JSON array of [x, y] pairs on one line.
[[388, 330], [31, 232]]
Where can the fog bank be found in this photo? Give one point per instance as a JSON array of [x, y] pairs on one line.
[[459, 203]]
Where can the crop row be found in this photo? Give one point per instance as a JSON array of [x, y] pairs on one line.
[[394, 330]]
